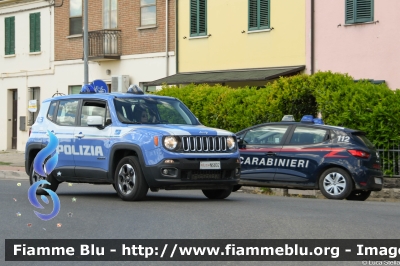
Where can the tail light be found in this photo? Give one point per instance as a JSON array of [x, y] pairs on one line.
[[376, 166], [359, 154], [30, 131]]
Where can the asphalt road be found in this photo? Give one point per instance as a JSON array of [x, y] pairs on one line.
[[98, 213]]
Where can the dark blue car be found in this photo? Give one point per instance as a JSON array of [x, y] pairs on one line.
[[342, 163]]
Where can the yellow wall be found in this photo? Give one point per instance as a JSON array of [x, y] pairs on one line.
[[229, 48]]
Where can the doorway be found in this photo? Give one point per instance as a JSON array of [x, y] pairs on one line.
[[14, 119]]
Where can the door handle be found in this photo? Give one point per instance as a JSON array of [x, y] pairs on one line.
[[80, 135], [270, 153]]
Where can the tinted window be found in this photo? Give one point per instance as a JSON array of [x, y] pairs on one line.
[[52, 108], [271, 134], [66, 113], [360, 137], [92, 109], [308, 135]]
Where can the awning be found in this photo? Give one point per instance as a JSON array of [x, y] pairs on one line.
[[221, 76]]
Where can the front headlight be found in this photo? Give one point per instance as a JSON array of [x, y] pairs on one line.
[[170, 142], [230, 142]]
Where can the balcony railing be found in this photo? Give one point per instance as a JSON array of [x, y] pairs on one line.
[[105, 45]]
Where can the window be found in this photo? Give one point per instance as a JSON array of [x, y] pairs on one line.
[[9, 29], [110, 14], [358, 11], [268, 135], [259, 14], [52, 108], [92, 108], [198, 18], [147, 12], [75, 17], [67, 112], [34, 29], [308, 135], [76, 89], [34, 94]]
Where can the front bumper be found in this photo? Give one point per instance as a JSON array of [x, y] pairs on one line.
[[186, 174]]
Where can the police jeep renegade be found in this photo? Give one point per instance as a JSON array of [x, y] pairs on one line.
[[134, 141]]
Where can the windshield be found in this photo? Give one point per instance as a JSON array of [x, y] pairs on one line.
[[153, 111]]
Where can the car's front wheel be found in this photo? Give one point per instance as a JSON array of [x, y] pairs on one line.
[[359, 195], [129, 180], [335, 183], [217, 193], [34, 177]]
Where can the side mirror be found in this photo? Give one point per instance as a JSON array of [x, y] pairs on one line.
[[240, 142], [95, 120]]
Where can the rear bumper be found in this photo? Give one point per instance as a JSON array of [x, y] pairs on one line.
[[186, 174], [373, 183]]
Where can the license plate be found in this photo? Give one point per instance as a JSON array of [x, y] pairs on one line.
[[378, 180], [210, 165]]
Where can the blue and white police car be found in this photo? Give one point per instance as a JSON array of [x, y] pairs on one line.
[[134, 141], [342, 163]]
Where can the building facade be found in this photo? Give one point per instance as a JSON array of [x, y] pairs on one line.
[[356, 37], [26, 65], [130, 42], [239, 42]]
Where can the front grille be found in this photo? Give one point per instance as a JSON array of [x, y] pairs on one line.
[[204, 144]]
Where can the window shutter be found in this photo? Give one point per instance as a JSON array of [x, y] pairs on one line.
[[349, 12], [34, 28], [7, 35], [193, 17], [202, 17], [198, 17], [12, 35], [253, 14], [264, 14], [31, 32], [364, 11], [37, 32]]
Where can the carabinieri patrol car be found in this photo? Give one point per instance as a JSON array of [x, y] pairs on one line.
[[341, 162], [134, 141]]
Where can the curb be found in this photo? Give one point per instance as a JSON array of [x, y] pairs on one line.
[[7, 174]]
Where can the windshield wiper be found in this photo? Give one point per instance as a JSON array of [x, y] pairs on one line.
[[131, 122]]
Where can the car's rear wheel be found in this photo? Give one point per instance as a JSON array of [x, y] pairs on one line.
[[236, 188], [217, 193], [335, 183], [129, 180], [34, 177], [359, 195]]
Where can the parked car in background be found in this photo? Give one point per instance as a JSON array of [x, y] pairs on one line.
[[342, 163]]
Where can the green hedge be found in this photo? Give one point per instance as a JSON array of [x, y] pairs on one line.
[[372, 108]]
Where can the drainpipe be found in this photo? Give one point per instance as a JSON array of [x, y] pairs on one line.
[[166, 38], [176, 37], [312, 37]]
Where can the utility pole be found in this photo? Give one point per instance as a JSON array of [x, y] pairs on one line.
[[85, 43]]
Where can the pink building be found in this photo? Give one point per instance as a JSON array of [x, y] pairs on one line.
[[358, 37]]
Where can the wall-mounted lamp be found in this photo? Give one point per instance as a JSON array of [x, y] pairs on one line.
[[243, 31], [184, 37], [108, 72], [339, 25], [209, 35]]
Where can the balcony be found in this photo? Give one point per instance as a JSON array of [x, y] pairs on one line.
[[105, 45]]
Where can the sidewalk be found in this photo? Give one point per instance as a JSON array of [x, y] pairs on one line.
[[12, 165]]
